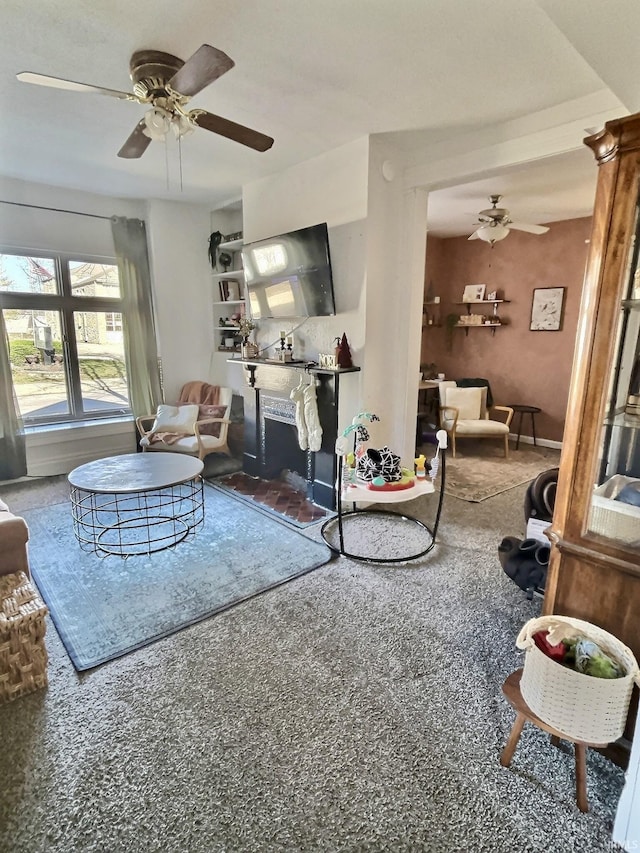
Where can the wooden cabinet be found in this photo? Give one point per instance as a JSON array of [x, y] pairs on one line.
[[594, 572]]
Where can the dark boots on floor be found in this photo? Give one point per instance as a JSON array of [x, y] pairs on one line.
[[525, 561]]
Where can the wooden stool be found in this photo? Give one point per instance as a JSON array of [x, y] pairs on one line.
[[525, 410], [511, 689]]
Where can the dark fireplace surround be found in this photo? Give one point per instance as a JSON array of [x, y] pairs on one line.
[[270, 435]]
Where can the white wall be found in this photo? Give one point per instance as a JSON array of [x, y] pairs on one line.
[[393, 290], [178, 236], [331, 188], [374, 223], [37, 228]]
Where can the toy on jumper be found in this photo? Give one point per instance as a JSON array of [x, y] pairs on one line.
[[378, 470]]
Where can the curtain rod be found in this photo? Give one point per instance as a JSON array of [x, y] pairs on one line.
[[55, 209]]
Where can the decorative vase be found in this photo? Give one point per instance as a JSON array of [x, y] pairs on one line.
[[248, 350]]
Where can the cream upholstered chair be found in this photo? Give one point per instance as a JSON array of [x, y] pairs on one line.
[[195, 428], [463, 413]]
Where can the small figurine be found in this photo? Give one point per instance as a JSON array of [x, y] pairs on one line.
[[420, 469], [344, 353]]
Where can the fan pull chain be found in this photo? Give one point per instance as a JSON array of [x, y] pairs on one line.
[[166, 162]]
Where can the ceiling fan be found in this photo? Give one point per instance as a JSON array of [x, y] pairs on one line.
[[167, 83], [495, 222]]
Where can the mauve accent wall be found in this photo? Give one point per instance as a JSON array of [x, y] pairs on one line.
[[523, 366]]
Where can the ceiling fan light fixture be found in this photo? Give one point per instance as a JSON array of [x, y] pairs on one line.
[[182, 126], [157, 123], [492, 232]]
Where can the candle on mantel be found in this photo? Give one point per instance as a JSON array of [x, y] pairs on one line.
[[283, 334], [290, 340]]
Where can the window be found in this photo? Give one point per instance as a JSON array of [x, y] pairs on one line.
[[64, 321], [113, 322]]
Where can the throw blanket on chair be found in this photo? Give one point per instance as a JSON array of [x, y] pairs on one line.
[[202, 394]]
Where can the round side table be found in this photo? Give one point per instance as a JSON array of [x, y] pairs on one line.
[[525, 410]]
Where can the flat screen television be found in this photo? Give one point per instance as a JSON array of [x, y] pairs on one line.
[[290, 275]]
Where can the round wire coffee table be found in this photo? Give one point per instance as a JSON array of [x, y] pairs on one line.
[[137, 503]]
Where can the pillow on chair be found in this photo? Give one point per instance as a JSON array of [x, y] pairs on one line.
[[468, 401], [176, 419], [211, 412]]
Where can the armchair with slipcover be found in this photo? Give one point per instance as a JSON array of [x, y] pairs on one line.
[[197, 425], [14, 537], [464, 414]]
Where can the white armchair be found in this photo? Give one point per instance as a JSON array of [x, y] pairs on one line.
[[464, 414], [196, 429]]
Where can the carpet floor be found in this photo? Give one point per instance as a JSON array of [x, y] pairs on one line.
[[356, 708], [104, 607], [480, 470]]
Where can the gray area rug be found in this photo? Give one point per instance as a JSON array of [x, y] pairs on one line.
[[107, 607], [480, 470], [358, 708]]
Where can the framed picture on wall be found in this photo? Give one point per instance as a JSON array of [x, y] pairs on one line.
[[546, 309]]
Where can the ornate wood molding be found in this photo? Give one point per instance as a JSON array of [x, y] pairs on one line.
[[616, 137], [598, 557]]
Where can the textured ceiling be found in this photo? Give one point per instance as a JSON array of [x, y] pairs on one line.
[[314, 75]]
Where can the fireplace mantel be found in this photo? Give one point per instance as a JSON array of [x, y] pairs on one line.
[[308, 366], [267, 401]]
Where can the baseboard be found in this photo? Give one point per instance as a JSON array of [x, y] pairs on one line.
[[540, 442]]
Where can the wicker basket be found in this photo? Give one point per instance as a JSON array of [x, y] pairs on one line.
[[580, 706], [613, 518], [23, 656]]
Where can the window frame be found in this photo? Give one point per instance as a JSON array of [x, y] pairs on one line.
[[66, 303]]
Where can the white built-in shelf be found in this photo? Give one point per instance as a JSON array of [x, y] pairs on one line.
[[221, 276], [231, 245], [230, 302]]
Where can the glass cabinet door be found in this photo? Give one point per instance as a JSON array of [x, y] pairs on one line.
[[615, 503]]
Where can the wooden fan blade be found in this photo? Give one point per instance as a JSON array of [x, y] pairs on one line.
[[206, 65], [236, 132], [72, 86], [136, 144], [524, 226]]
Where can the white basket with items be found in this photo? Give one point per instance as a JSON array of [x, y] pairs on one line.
[[611, 517], [583, 707]]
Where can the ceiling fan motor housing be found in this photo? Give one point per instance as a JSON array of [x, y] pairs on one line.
[[150, 71], [153, 64]]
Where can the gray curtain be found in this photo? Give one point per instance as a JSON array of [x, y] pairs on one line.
[[130, 241], [13, 457]]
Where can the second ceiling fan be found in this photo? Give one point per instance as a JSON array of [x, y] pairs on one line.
[[495, 222], [166, 83]]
